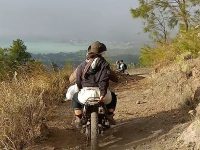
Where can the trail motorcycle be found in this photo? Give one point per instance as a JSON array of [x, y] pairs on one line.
[[94, 121]]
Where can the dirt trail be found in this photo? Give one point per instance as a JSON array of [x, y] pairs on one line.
[[142, 123]]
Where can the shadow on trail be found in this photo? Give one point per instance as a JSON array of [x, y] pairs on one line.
[[143, 129], [65, 138]]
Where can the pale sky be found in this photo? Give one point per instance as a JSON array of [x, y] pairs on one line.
[[48, 25], [62, 20]]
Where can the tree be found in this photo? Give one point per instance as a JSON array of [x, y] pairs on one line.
[[11, 58], [18, 53], [196, 18], [182, 11], [162, 15]]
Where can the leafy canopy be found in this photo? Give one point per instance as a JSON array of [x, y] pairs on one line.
[[160, 16]]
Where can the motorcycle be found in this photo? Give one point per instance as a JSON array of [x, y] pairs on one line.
[[94, 121]]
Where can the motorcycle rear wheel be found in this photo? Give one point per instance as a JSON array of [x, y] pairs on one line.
[[94, 131]]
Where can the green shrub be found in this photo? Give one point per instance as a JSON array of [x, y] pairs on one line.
[[168, 52]]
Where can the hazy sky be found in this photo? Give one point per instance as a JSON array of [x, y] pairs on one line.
[[47, 25], [62, 20]]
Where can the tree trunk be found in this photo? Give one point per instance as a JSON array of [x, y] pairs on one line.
[[185, 15]]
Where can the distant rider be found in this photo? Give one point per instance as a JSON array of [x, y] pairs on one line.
[[118, 65], [121, 66]]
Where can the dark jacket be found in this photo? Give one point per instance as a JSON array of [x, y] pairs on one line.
[[98, 77]]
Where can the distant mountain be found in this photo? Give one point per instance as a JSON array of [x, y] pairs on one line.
[[76, 58]]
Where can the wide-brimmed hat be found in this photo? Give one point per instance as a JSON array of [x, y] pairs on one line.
[[97, 48]]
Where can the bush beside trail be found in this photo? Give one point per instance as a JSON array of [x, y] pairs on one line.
[[28, 89], [165, 53], [24, 105]]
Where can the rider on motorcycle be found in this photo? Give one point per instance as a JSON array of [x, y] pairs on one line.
[[92, 78]]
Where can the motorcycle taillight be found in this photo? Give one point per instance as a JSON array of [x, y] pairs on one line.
[[101, 110]]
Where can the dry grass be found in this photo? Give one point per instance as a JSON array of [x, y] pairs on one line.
[[21, 110], [24, 104]]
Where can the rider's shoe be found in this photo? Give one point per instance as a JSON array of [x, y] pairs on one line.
[[77, 122], [111, 119]]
